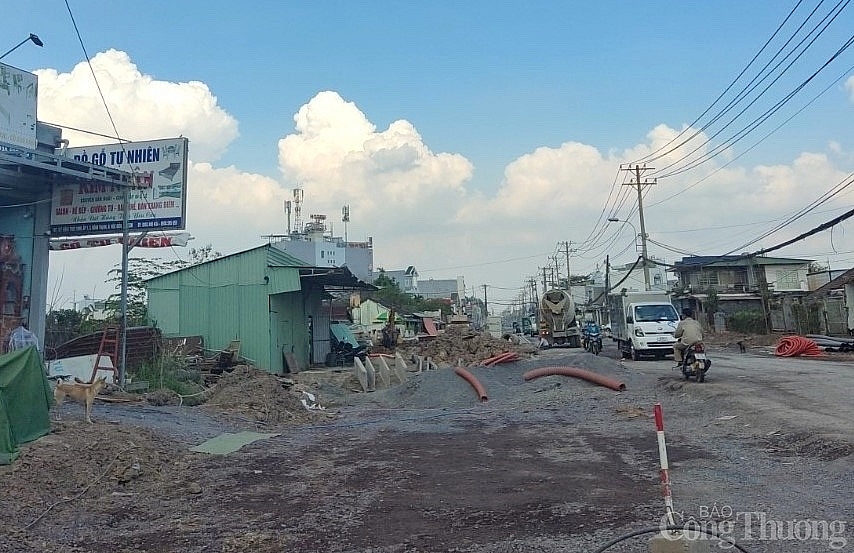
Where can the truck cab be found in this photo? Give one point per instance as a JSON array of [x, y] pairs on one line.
[[643, 324], [651, 328]]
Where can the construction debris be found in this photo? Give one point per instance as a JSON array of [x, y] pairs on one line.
[[462, 346]]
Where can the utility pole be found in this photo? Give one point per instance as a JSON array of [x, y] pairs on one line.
[[534, 299], [545, 282], [568, 273], [607, 287], [485, 302], [640, 184]]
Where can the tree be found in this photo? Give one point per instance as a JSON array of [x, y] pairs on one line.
[[816, 267], [60, 326], [390, 295], [140, 270]]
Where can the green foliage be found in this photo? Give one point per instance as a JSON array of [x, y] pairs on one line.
[[140, 270], [747, 321], [390, 295], [170, 372], [711, 307], [62, 325]]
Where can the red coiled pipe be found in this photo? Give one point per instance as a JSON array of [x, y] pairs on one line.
[[791, 346]]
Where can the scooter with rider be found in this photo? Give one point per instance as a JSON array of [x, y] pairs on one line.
[[689, 352]]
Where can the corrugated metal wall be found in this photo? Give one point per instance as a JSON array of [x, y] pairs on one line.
[[288, 329], [223, 300], [318, 309]]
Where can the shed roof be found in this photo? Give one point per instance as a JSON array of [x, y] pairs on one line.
[[839, 282], [333, 277], [275, 258]]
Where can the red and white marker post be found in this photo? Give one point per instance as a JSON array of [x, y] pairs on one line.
[[665, 469]]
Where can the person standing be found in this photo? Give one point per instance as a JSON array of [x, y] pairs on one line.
[[688, 332]]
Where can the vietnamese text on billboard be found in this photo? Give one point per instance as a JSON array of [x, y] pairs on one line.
[[18, 95], [156, 202]]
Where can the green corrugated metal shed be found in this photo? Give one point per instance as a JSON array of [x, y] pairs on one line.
[[253, 296]]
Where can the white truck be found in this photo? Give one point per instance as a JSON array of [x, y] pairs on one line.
[[643, 323], [558, 322]]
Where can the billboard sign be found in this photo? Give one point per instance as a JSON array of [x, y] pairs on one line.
[[137, 241], [158, 201], [18, 93]]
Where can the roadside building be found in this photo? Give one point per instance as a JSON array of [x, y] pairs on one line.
[[773, 286], [835, 301], [32, 167], [406, 279], [273, 303]]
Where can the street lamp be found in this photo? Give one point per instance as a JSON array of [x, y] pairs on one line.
[[643, 248], [33, 37]]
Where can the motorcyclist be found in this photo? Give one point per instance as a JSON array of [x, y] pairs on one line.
[[688, 332], [590, 329]]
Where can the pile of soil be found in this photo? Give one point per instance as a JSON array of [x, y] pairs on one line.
[[83, 468], [461, 345], [262, 397]]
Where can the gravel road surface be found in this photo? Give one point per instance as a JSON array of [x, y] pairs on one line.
[[761, 453]]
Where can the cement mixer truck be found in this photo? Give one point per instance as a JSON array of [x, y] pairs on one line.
[[558, 323]]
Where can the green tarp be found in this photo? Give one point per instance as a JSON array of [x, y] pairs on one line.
[[25, 401], [229, 443]]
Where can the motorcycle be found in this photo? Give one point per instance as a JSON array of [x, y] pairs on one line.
[[695, 362], [592, 339]]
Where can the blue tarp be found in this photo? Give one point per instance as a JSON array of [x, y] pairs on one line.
[[342, 333]]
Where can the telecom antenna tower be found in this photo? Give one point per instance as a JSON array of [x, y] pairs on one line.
[[298, 197], [345, 216]]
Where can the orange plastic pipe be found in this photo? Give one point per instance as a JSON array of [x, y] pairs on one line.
[[475, 383], [489, 360], [577, 373], [501, 358], [507, 359]]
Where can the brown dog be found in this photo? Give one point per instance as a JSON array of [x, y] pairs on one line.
[[84, 393]]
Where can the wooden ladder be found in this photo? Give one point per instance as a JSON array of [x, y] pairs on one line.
[[109, 348]]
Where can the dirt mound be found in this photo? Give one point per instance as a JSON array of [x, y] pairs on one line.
[[262, 397], [463, 345], [79, 463]]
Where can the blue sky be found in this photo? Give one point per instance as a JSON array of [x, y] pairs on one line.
[[487, 82]]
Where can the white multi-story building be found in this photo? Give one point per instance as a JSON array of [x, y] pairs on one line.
[[317, 246]]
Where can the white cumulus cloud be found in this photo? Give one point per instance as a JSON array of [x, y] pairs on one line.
[[142, 107], [338, 156], [418, 204]]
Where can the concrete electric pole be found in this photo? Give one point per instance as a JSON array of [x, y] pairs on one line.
[[639, 184]]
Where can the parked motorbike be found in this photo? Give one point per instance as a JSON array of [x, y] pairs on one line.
[[695, 362], [343, 353]]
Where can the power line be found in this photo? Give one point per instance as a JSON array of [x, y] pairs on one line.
[[656, 155], [753, 125]]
